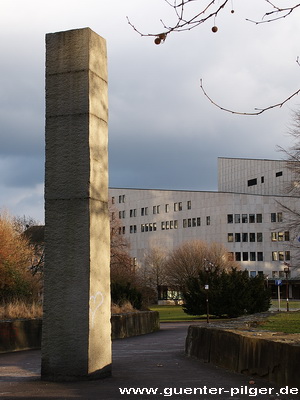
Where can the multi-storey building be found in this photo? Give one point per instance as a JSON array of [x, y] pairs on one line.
[[248, 215]]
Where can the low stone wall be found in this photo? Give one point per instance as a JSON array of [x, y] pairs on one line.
[[26, 334], [268, 355], [134, 324], [20, 335]]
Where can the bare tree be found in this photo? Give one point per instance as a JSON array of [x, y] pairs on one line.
[[153, 271], [190, 14], [191, 257], [121, 266]]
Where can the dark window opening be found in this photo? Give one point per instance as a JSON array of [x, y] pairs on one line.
[[252, 182]]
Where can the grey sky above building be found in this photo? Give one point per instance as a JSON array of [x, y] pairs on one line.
[[163, 132]]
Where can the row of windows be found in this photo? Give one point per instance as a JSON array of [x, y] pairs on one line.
[[253, 182], [258, 256], [245, 237], [157, 209], [150, 227], [280, 236], [245, 256], [257, 237], [244, 218], [281, 256], [252, 218], [121, 199]]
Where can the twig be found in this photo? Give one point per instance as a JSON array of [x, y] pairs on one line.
[[258, 110]]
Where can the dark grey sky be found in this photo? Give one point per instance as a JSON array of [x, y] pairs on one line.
[[163, 133]]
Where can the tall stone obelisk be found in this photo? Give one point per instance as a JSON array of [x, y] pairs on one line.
[[76, 338]]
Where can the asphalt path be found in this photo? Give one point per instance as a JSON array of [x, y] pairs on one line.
[[144, 367]]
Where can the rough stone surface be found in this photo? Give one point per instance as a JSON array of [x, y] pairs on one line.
[[242, 347], [76, 338]]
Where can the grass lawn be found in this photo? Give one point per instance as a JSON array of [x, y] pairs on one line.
[[287, 322], [293, 304], [174, 313]]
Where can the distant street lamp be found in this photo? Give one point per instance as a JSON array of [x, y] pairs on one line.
[[287, 271], [206, 287]]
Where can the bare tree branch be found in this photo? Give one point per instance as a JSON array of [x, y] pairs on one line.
[[258, 110], [187, 23], [282, 13]]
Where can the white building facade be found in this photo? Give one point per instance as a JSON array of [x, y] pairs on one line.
[[245, 215]]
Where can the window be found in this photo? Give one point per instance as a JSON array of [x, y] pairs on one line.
[[229, 218], [278, 174], [175, 224], [180, 206], [274, 236], [287, 256], [252, 182], [259, 236], [123, 230], [208, 220], [189, 222], [230, 237], [275, 274], [150, 227], [281, 274], [167, 208], [198, 221], [154, 226], [274, 256], [194, 223], [132, 228], [230, 256], [238, 256], [252, 256], [237, 218], [184, 223], [262, 179], [122, 214], [245, 218], [281, 256], [171, 224], [279, 217], [253, 273], [251, 237], [112, 200], [280, 236], [258, 218], [189, 205], [133, 213], [122, 198], [245, 256], [175, 206], [154, 209], [287, 236], [142, 211], [260, 256], [244, 237], [237, 237], [273, 217], [143, 228], [251, 218], [167, 225]]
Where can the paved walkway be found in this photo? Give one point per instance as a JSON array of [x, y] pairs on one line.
[[156, 360]]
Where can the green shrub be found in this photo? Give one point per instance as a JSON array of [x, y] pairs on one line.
[[230, 294]]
